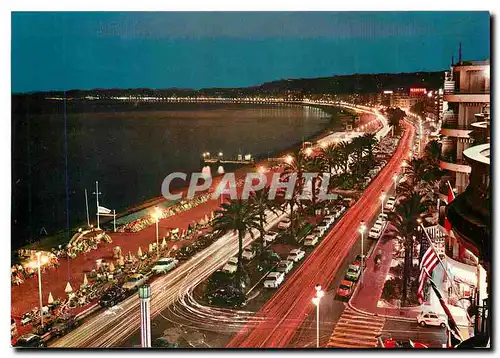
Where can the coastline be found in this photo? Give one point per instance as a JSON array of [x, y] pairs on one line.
[[62, 236]]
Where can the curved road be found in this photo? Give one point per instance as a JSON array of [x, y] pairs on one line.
[[288, 308], [113, 326]]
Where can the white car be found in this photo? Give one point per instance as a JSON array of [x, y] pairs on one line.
[[317, 232], [274, 279], [231, 265], [270, 236], [134, 281], [379, 223], [248, 254], [296, 255], [382, 216], [390, 203], [311, 240], [374, 233], [285, 266], [329, 218], [323, 226], [164, 265], [284, 224], [431, 319]]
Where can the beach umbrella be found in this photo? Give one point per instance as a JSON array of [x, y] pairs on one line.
[[85, 281], [220, 170], [206, 218], [68, 288], [51, 299], [111, 267], [121, 262], [164, 242], [139, 252], [151, 248]]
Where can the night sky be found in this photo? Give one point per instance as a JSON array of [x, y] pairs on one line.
[[57, 51]]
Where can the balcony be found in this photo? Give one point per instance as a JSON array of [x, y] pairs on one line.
[[468, 96], [451, 129], [454, 165]]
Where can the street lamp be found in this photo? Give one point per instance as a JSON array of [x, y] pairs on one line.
[[382, 198], [156, 216], [220, 154], [316, 300], [362, 229], [39, 263], [395, 178]]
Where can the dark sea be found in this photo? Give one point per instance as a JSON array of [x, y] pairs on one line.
[[130, 148]]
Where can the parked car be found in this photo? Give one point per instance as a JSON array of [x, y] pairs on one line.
[[63, 325], [134, 281], [112, 296], [231, 265], [267, 260], [357, 260], [374, 233], [345, 289], [330, 218], [431, 319], [389, 205], [352, 273], [270, 236], [164, 265], [296, 255], [380, 223], [323, 226], [391, 343], [285, 266], [284, 224], [317, 232], [248, 253], [382, 216], [274, 279], [30, 340], [311, 240]]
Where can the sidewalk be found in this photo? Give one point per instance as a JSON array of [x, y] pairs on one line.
[[367, 295]]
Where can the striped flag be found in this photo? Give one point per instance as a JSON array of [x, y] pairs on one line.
[[451, 196], [428, 262], [452, 324]]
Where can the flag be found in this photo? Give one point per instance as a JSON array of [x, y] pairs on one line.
[[451, 196], [427, 263], [451, 340], [103, 210], [452, 325]]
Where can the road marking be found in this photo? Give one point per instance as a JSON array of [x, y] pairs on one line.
[[355, 330]]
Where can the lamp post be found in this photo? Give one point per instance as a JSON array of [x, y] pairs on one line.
[[382, 198], [362, 229], [395, 179], [316, 300], [145, 297], [156, 216], [39, 263]]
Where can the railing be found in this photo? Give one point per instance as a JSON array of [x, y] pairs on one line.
[[467, 91]]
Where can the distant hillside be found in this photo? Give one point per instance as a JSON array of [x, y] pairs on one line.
[[346, 84]]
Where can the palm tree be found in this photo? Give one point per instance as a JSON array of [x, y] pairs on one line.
[[346, 150], [404, 222], [432, 152], [261, 202], [332, 157], [370, 140], [239, 216], [422, 175]]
